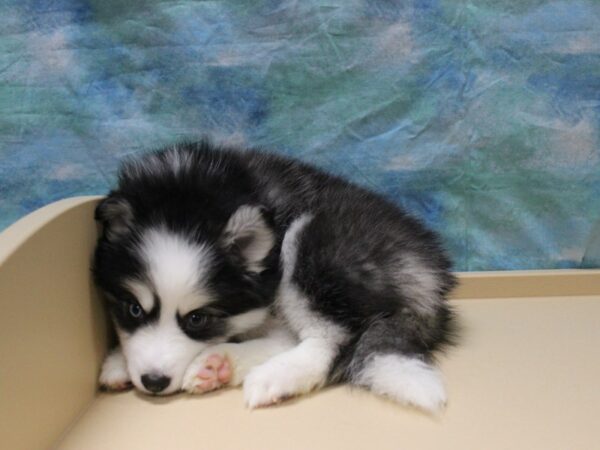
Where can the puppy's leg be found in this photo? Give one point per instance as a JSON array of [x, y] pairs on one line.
[[302, 368], [297, 371], [114, 375], [306, 366], [229, 363]]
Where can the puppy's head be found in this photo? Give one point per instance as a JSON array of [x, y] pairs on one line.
[[174, 291]]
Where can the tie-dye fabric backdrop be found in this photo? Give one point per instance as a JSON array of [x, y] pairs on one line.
[[480, 117]]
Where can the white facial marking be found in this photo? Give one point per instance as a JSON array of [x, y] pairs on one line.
[[176, 268]]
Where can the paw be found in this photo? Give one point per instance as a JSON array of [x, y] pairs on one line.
[[114, 375], [207, 373], [274, 382]]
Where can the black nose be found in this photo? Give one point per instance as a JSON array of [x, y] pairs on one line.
[[155, 382]]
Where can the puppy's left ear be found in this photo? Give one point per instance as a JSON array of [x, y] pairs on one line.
[[115, 213], [248, 233]]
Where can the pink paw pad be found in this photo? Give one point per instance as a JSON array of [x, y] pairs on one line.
[[116, 387], [215, 373]]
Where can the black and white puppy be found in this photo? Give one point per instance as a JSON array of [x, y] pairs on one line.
[[226, 266]]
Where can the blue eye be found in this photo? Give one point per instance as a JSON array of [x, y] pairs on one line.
[[135, 310]]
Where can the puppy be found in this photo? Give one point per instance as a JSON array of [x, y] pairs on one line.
[[224, 266]]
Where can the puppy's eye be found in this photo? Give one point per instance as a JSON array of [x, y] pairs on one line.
[[135, 311], [196, 320]]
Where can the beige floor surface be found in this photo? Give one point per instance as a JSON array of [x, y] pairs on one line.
[[526, 376]]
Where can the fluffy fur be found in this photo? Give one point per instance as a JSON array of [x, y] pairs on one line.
[[253, 269]]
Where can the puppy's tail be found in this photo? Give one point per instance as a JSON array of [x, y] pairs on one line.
[[393, 358], [405, 379]]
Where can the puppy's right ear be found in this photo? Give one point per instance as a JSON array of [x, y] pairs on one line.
[[248, 233], [116, 215]]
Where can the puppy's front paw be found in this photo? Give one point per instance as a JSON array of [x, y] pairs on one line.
[[114, 375], [274, 382], [208, 372]]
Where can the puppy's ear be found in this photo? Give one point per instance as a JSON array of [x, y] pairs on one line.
[[116, 216], [248, 233]]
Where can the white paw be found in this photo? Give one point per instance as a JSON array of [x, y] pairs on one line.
[[209, 371], [273, 381], [114, 375]]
